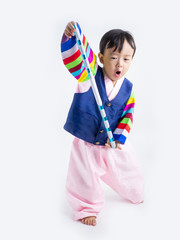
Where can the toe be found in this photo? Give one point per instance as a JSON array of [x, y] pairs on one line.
[[94, 223], [86, 221], [82, 220], [89, 221]]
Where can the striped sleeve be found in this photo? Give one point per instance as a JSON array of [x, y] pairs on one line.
[[72, 58], [125, 122]]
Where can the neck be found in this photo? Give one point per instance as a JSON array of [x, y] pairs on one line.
[[114, 82]]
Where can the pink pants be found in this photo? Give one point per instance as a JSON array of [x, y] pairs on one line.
[[117, 168]]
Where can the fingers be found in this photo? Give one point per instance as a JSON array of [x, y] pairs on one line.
[[69, 30], [108, 145], [118, 145]]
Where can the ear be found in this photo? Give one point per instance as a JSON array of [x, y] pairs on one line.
[[101, 57]]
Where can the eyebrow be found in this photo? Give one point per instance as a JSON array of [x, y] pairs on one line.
[[126, 55]]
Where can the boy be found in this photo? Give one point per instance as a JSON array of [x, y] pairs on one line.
[[92, 157]]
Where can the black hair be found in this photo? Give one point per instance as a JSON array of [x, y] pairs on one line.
[[115, 38]]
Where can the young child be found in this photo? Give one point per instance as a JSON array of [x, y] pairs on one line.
[[92, 157]]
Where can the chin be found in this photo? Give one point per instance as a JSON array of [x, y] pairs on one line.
[[118, 78], [121, 76]]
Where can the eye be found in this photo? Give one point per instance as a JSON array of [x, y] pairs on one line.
[[113, 57], [126, 59]]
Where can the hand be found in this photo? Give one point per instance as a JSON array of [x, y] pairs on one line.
[[69, 30], [118, 144]]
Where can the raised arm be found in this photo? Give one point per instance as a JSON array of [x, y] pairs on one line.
[[71, 55], [125, 122]]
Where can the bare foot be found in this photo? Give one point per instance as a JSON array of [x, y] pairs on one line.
[[89, 220]]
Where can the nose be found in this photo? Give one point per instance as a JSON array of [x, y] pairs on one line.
[[120, 63]]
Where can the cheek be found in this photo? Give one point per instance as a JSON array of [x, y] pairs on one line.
[[126, 68], [112, 64], [108, 65], [127, 65]]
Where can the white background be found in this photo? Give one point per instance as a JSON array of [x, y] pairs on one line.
[[36, 91]]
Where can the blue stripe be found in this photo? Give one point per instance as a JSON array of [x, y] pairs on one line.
[[121, 138], [79, 42], [108, 129], [80, 70], [104, 119], [88, 52], [111, 139], [76, 73], [79, 28], [127, 111], [70, 43], [101, 107]]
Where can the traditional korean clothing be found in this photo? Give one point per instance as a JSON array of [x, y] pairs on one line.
[[90, 160]]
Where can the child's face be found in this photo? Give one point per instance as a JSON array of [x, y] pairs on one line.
[[116, 64]]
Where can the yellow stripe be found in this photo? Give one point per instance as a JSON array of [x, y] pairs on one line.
[[131, 99], [84, 75], [93, 63]]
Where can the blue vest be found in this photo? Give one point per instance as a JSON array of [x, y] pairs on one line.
[[84, 119]]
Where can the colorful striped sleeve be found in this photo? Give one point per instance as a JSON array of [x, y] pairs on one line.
[[72, 58], [125, 122]]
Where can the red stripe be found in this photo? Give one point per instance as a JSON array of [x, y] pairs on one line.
[[124, 126], [83, 39], [76, 68], [87, 47], [72, 58], [127, 128], [129, 115]]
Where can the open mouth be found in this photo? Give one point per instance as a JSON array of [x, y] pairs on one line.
[[118, 73]]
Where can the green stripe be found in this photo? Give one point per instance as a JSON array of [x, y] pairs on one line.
[[75, 62], [132, 95], [85, 44], [94, 70], [126, 121]]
